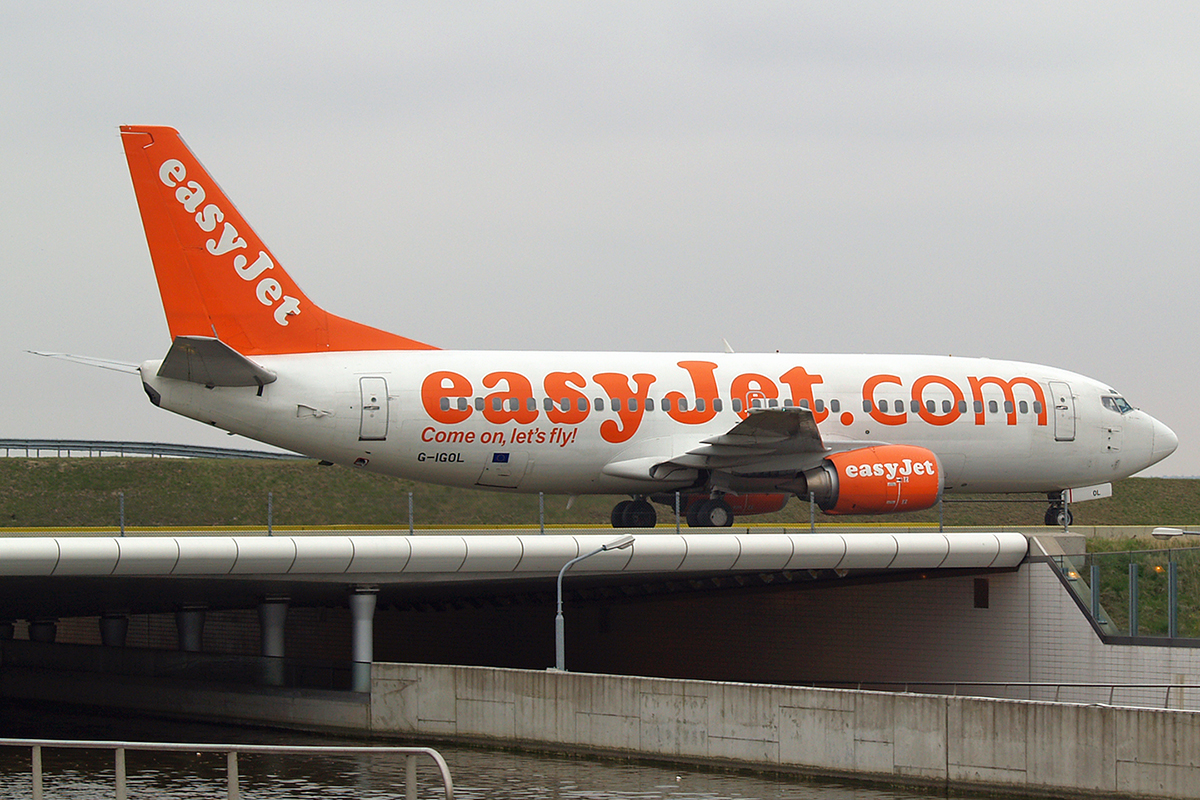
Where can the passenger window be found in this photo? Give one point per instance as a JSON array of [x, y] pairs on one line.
[[947, 406], [445, 404], [804, 404], [914, 405], [978, 406], [479, 404], [835, 406], [931, 406], [716, 404], [883, 406], [649, 403], [962, 406], [616, 403], [773, 402], [462, 404], [737, 404], [1037, 407], [993, 407], [666, 404], [820, 406], [1023, 406], [599, 403], [683, 404], [1008, 406], [633, 404], [867, 406], [757, 402], [580, 405], [788, 403], [699, 403], [530, 404], [548, 404]]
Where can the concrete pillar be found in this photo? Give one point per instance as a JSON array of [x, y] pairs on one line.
[[362, 613], [43, 630], [272, 614], [190, 624], [113, 627]]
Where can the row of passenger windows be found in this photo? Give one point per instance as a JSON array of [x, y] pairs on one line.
[[618, 404], [993, 407]]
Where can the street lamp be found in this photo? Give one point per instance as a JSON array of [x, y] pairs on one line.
[[560, 657], [1171, 533]]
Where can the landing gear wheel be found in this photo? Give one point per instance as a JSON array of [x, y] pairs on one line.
[[715, 514], [619, 514], [693, 516], [1059, 517], [640, 514]]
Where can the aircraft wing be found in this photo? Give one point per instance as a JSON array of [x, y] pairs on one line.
[[767, 435]]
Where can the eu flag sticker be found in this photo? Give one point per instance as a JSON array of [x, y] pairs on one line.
[[499, 458]]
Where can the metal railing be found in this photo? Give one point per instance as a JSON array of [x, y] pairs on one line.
[[952, 688], [36, 447], [233, 790]]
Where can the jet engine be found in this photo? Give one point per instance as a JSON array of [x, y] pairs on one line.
[[873, 480]]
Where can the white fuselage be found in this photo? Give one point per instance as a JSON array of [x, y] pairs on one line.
[[529, 421]]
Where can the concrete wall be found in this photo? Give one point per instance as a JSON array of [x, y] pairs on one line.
[[1013, 745]]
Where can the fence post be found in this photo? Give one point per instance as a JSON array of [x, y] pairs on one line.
[[121, 504], [677, 513], [410, 778], [941, 517], [35, 767], [119, 769], [812, 512], [542, 512], [270, 513], [1133, 599], [1172, 598], [410, 513], [234, 792]]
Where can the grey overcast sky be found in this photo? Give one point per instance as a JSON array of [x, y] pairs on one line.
[[1015, 180]]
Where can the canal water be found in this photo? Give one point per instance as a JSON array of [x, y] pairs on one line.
[[477, 773]]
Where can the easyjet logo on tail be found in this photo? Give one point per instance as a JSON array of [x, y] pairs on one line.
[[191, 196]]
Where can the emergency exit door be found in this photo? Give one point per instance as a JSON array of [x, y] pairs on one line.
[[374, 424]]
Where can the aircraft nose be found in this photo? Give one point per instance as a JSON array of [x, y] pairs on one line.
[[1165, 441]]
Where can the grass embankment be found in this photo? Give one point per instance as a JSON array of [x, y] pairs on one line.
[[75, 492]]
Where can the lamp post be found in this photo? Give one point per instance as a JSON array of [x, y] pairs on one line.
[[560, 657], [1171, 533]]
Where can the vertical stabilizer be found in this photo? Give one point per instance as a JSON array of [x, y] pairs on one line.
[[216, 277]]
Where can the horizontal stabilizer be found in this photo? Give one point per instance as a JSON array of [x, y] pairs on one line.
[[211, 362], [102, 363]]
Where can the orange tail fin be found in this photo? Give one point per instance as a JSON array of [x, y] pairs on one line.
[[215, 275]]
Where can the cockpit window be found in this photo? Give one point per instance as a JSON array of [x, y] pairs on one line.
[[1116, 403]]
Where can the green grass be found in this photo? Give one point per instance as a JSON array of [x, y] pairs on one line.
[[74, 492]]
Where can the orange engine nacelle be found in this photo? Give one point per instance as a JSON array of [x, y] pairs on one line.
[[876, 480]]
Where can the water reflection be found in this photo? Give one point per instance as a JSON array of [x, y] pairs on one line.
[[477, 773]]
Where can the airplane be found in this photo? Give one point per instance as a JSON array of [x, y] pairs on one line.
[[721, 434]]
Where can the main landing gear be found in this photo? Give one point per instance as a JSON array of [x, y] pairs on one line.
[[709, 512], [634, 514]]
